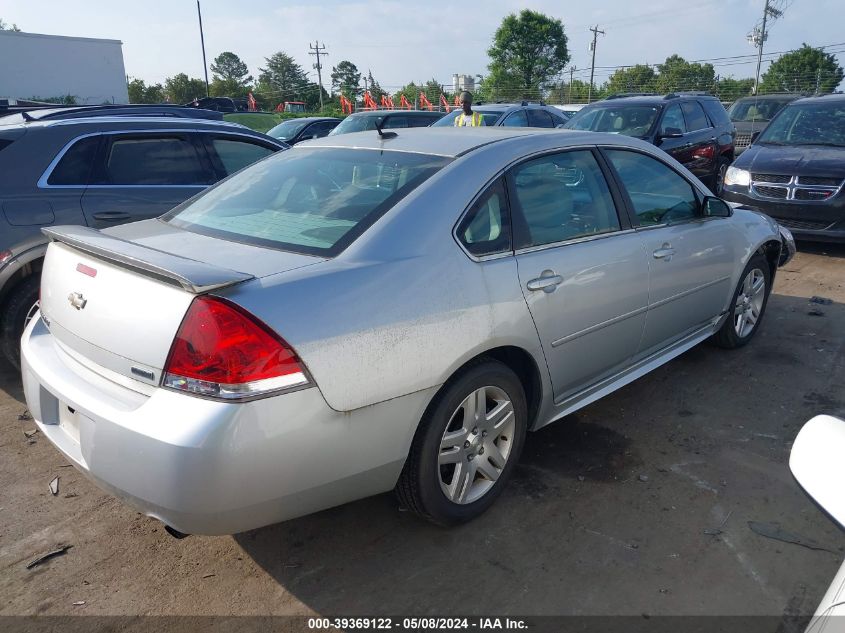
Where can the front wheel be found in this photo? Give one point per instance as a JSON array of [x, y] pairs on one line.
[[748, 305], [719, 177], [466, 446], [19, 310]]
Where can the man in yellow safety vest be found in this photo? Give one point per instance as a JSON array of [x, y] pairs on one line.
[[468, 118]]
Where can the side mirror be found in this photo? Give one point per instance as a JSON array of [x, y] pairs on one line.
[[716, 208], [671, 132], [816, 463]]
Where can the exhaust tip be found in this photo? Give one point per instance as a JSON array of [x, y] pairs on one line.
[[174, 532]]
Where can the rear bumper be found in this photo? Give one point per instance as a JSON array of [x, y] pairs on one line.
[[208, 467], [814, 221]]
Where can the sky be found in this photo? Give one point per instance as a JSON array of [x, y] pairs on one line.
[[416, 41]]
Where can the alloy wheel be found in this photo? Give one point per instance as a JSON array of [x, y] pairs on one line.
[[749, 302], [476, 445]]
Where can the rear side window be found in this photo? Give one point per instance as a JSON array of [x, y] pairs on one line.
[[422, 121], [153, 160], [694, 115], [486, 228], [516, 119], [539, 118], [716, 111], [235, 155], [314, 201], [74, 168], [561, 197], [396, 122]]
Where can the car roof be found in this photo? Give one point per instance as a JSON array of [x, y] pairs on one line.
[[655, 99], [120, 122], [777, 96], [388, 112], [310, 119], [834, 97], [451, 142]]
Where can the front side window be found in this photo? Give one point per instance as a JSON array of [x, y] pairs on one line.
[[673, 120], [313, 201], [539, 118], [562, 197], [235, 155], [486, 228], [153, 160], [630, 120], [659, 194], [74, 167]]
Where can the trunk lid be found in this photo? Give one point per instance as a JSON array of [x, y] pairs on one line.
[[114, 301]]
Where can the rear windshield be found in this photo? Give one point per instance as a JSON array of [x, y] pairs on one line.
[[629, 120], [307, 200], [287, 130], [488, 117]]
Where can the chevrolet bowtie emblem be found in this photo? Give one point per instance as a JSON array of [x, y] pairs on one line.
[[77, 300]]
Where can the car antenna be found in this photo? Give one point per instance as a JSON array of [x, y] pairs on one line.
[[27, 116], [383, 135]]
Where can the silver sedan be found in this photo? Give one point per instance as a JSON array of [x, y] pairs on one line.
[[379, 311]]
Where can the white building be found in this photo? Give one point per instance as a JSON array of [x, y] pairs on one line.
[[35, 65], [463, 82]]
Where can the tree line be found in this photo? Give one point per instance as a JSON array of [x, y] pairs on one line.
[[528, 60]]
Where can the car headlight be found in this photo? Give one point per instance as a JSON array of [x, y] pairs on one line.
[[735, 176]]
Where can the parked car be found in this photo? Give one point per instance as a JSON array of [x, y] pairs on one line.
[[388, 119], [99, 171], [816, 464], [570, 109], [369, 311], [692, 128], [25, 115], [218, 104], [795, 170], [751, 115], [512, 115], [294, 131]]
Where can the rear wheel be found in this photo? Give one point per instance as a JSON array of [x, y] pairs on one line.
[[466, 447], [748, 305], [20, 308]]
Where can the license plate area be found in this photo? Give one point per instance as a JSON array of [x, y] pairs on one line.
[[69, 421]]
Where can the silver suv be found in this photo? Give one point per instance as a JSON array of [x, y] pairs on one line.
[[99, 171]]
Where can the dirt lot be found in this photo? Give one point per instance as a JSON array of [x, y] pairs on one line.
[[607, 513]]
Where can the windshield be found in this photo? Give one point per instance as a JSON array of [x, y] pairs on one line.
[[488, 117], [287, 130], [356, 124], [749, 110], [816, 123], [630, 120], [314, 201]]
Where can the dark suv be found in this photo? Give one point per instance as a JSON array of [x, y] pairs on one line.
[[751, 115], [795, 170], [693, 128], [99, 171]]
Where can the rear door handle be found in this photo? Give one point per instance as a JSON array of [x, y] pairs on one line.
[[112, 216], [664, 252], [548, 281]]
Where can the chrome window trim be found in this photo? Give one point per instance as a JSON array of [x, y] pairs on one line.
[[43, 184], [575, 240]]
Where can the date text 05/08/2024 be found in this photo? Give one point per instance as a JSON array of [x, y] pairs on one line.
[[415, 624]]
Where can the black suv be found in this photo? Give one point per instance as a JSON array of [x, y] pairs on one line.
[[693, 128], [795, 170], [751, 115]]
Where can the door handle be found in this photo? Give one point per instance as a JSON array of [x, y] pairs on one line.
[[664, 252], [548, 281], [112, 216]]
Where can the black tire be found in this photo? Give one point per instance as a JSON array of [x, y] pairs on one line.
[[419, 486], [13, 319], [728, 337], [719, 176]]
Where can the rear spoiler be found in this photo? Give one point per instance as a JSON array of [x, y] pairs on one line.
[[195, 277]]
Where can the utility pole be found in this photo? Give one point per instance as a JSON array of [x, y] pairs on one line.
[[572, 69], [759, 36], [202, 41], [318, 50], [595, 31]]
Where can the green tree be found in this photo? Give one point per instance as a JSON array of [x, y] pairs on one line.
[[346, 79], [807, 69], [676, 73], [5, 26], [182, 89], [527, 52], [730, 89], [283, 78], [639, 78], [228, 66], [139, 92]]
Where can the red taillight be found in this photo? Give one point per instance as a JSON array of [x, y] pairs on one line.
[[707, 152], [221, 350]]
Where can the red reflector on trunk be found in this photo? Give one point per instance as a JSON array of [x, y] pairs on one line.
[[220, 349], [86, 270]]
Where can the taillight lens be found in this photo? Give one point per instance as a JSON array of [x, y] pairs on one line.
[[223, 351], [707, 152]]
